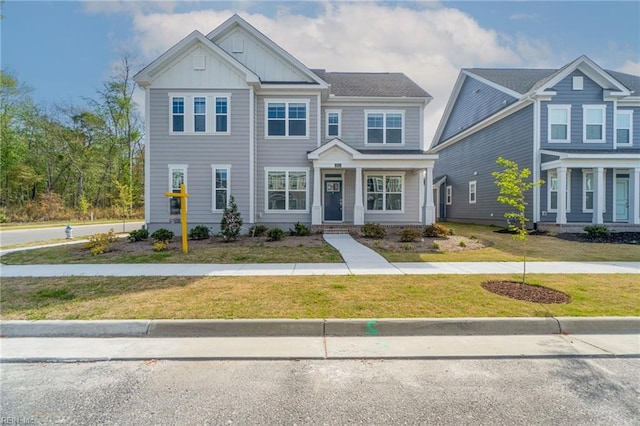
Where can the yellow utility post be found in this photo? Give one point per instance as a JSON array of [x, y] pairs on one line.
[[183, 214]]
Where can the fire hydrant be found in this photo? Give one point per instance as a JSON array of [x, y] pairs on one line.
[[69, 232]]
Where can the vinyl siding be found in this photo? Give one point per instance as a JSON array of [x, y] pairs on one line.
[[474, 158], [199, 152], [592, 94], [475, 102], [283, 154], [354, 121]]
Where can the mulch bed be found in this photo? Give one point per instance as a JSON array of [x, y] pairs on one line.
[[613, 238], [526, 292]]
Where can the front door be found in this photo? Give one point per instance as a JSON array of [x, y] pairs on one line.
[[622, 199], [333, 199]]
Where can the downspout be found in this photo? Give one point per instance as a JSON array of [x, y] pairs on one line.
[[147, 156], [536, 161], [252, 144]]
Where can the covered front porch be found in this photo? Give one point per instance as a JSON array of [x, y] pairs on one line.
[[599, 188], [353, 187]]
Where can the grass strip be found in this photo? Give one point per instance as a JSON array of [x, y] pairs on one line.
[[410, 296]]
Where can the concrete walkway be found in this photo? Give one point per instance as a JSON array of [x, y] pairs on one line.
[[359, 258]]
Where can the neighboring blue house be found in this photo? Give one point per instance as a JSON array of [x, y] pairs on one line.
[[233, 114], [577, 128]]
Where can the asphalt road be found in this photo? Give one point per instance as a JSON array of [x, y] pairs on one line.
[[22, 236], [567, 391]]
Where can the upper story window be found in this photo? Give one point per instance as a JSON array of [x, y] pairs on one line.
[[559, 129], [287, 119], [624, 128], [384, 127], [196, 114], [593, 123], [177, 114], [333, 123]]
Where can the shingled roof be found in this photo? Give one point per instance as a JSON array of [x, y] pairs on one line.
[[524, 80], [371, 84]]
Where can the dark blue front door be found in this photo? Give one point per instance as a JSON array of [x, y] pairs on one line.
[[333, 200]]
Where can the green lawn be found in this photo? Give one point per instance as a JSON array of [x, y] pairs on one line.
[[307, 297]]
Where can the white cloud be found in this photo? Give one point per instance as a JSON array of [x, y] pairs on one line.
[[630, 67], [523, 16], [429, 45]]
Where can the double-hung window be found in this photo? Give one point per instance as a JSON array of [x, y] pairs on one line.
[[384, 127], [552, 193], [199, 113], [221, 178], [177, 176], [559, 117], [593, 118], [287, 190], [177, 114], [624, 128], [588, 193], [287, 119], [385, 192], [472, 191], [333, 123]]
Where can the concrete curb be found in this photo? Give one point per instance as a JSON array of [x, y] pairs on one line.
[[322, 328]]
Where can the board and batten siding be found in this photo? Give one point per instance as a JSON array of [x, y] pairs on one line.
[[260, 59], [474, 159], [283, 154], [199, 153], [591, 94], [475, 102], [354, 122]]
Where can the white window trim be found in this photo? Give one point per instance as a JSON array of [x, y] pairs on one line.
[[628, 112], [449, 195], [210, 120], [326, 130], [266, 189], [560, 107], [473, 189], [173, 167], [215, 167], [384, 192], [549, 174], [584, 190], [286, 119], [603, 109], [384, 127]]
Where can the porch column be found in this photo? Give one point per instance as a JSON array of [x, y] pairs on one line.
[[598, 195], [562, 196], [358, 209], [429, 215], [634, 202], [316, 209]]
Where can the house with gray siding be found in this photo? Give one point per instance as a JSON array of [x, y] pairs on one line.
[[577, 128], [231, 113]]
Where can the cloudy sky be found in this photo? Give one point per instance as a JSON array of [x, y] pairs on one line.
[[64, 50]]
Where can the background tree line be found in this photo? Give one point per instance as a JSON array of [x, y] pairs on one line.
[[70, 161]]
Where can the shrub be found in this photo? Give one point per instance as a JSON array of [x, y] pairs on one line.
[[436, 230], [160, 245], [257, 230], [300, 230], [462, 243], [99, 243], [595, 232], [199, 232], [373, 230], [231, 221], [275, 234], [162, 234], [138, 235], [408, 235], [435, 246]]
